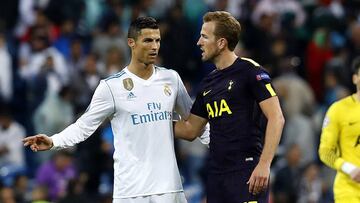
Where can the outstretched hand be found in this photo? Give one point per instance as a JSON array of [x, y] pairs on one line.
[[38, 142]]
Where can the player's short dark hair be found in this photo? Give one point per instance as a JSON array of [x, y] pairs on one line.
[[356, 65], [141, 23], [226, 26]]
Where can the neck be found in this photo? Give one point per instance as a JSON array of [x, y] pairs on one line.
[[357, 95], [141, 70], [225, 59]]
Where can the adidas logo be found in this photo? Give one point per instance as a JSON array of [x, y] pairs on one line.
[[131, 96]]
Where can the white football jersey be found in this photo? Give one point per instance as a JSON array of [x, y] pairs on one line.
[[141, 114]]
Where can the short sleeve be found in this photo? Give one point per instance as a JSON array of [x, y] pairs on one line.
[[260, 84], [198, 107]]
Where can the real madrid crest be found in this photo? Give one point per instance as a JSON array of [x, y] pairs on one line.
[[167, 90], [128, 84]]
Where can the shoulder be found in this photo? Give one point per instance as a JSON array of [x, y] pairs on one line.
[[251, 66], [340, 105], [343, 103], [165, 72], [249, 62], [113, 80], [253, 70], [118, 75]]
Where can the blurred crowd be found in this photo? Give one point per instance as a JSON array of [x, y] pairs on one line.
[[53, 53]]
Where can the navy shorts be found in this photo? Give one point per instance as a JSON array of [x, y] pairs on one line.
[[232, 188]]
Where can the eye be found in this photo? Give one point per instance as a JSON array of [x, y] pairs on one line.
[[204, 36], [147, 40]]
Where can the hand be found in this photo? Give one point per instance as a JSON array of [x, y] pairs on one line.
[[355, 175], [259, 179], [38, 142]]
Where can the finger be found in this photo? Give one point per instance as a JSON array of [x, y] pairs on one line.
[[33, 148], [256, 186], [260, 185], [251, 184], [266, 183], [41, 136], [27, 143], [26, 139]]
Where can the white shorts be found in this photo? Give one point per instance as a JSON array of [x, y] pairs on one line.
[[175, 197]]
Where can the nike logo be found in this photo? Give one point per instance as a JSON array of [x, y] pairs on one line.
[[206, 92]]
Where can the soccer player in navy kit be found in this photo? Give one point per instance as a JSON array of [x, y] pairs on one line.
[[244, 113]]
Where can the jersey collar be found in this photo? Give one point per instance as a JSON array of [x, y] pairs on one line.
[[140, 80]]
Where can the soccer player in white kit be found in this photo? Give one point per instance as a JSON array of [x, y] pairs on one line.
[[139, 101]]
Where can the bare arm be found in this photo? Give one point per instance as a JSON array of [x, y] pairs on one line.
[[271, 109], [191, 128], [260, 177]]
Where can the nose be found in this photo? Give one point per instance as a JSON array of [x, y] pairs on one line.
[[155, 45], [199, 42]]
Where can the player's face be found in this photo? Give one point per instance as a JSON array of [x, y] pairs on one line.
[[208, 42], [146, 47]]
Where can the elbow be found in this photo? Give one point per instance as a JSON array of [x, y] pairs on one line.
[[282, 120], [321, 154], [191, 136], [184, 133]]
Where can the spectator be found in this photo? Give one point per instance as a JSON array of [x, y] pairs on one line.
[[6, 75], [56, 173], [7, 195], [12, 159], [287, 176]]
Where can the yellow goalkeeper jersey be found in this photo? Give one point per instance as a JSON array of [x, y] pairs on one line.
[[340, 141]]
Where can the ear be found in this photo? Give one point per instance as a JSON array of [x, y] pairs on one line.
[[131, 42], [222, 43], [355, 79]]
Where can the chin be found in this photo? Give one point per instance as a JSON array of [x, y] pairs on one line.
[[150, 61], [204, 58]]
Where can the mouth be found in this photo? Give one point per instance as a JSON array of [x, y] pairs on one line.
[[153, 55]]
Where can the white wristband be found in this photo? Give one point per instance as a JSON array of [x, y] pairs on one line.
[[348, 167], [205, 136]]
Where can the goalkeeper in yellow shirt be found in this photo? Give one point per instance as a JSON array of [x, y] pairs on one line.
[[340, 143]]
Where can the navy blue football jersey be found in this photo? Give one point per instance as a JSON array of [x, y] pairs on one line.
[[229, 99]]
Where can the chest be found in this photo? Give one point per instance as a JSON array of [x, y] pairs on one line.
[[230, 88], [140, 98], [350, 125]]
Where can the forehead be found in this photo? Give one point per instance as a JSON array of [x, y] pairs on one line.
[[149, 33], [208, 28]]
